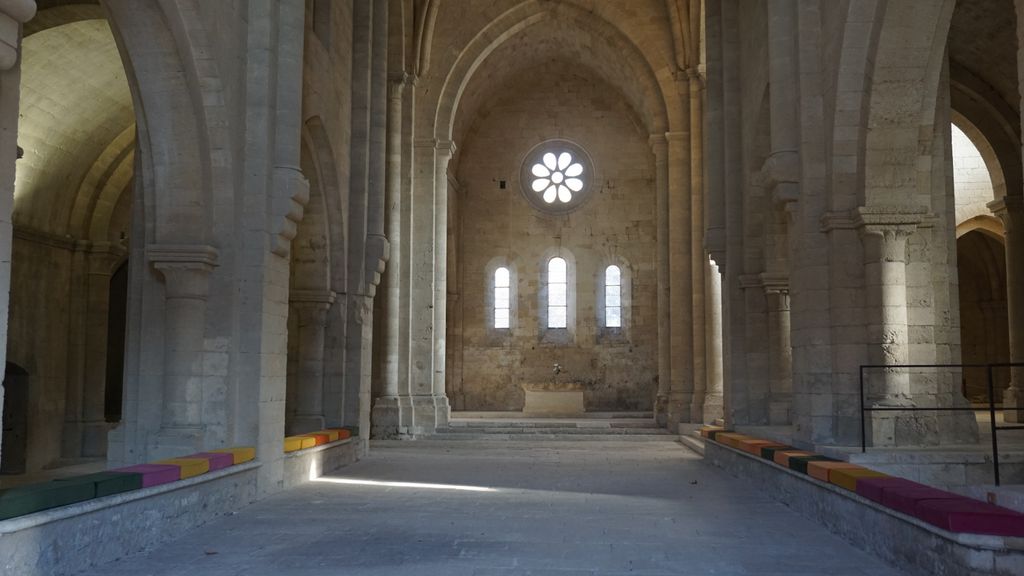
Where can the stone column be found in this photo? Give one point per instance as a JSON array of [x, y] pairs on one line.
[[698, 258], [1011, 210], [780, 352], [444, 153], [680, 279], [884, 233], [311, 308], [660, 147], [713, 400], [386, 411], [186, 272]]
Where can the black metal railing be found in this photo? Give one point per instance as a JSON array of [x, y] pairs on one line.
[[989, 368]]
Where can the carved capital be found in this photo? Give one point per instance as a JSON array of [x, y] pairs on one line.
[[1009, 209], [781, 174], [185, 268], [13, 13]]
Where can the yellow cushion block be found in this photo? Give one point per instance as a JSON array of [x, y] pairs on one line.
[[820, 469], [239, 455], [293, 443], [782, 457], [189, 467], [847, 478]]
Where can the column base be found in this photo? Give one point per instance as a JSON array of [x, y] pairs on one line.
[[678, 410], [306, 423], [1013, 405], [174, 443], [661, 410], [714, 407], [385, 418], [94, 439], [697, 409], [893, 429], [408, 417], [779, 412]]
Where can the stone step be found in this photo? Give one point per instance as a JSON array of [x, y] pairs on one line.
[[607, 431], [559, 437], [566, 424]]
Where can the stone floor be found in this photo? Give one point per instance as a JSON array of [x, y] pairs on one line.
[[499, 508]]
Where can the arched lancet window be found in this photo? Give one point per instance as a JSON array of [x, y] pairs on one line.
[[558, 294], [613, 297], [502, 298]]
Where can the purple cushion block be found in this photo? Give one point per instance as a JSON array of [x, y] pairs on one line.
[[874, 488], [906, 499], [973, 516], [154, 474], [218, 460]]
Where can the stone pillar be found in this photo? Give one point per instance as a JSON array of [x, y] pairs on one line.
[[443, 155], [884, 233], [311, 308], [386, 415], [12, 14], [713, 398], [1011, 210], [186, 272], [660, 147], [697, 255], [680, 279], [780, 352]]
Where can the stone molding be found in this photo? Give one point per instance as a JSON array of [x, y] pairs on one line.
[[289, 198], [775, 283], [781, 176], [891, 225], [312, 296], [1010, 210], [186, 268]]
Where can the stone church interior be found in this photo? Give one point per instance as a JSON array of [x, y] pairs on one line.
[[512, 287]]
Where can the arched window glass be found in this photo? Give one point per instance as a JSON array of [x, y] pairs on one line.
[[558, 294], [502, 298], [613, 297]]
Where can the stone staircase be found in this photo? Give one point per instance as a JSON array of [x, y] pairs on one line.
[[624, 428]]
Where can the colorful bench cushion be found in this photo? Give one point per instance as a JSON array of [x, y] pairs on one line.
[[966, 515], [154, 474], [907, 498], [874, 488], [22, 500], [107, 483], [799, 463], [820, 469], [239, 455], [319, 439], [343, 433], [217, 460], [847, 477], [707, 430], [732, 439], [332, 435], [781, 457], [754, 445], [293, 443], [188, 467], [768, 452]]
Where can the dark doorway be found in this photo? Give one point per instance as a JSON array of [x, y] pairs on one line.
[[117, 325], [15, 426]]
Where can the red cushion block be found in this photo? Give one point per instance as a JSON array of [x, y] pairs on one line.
[[907, 499], [874, 488], [154, 474], [973, 516], [218, 460]]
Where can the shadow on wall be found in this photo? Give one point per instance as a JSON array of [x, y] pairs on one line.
[[15, 420]]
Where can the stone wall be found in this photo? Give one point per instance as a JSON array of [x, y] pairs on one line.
[[616, 225]]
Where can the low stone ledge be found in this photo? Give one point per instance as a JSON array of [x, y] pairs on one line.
[[901, 540], [72, 538], [301, 466]]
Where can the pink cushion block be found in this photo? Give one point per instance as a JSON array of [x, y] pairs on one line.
[[973, 516], [874, 488], [906, 499], [154, 474], [218, 460]]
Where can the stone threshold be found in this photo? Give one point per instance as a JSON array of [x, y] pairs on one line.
[[901, 540]]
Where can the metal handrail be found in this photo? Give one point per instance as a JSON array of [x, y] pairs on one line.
[[991, 403]]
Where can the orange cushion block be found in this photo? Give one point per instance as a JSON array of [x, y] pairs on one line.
[[706, 429], [782, 457], [847, 478], [332, 435], [820, 469], [293, 443], [343, 434], [318, 438], [754, 445], [240, 454], [189, 467], [732, 438]]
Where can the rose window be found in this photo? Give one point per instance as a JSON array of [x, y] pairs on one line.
[[557, 178]]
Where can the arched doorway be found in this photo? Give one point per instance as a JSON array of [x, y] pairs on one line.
[[15, 420]]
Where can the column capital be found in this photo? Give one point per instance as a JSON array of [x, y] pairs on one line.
[[300, 297], [13, 13], [890, 226], [775, 283], [185, 268], [658, 144], [1009, 209]]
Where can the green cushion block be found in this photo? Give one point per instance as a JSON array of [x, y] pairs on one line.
[[23, 500], [712, 434], [768, 452], [799, 463], [107, 483]]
